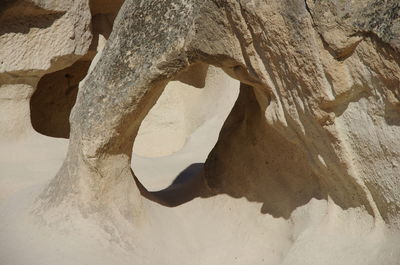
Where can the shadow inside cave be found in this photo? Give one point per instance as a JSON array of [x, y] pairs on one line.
[[52, 102], [56, 92]]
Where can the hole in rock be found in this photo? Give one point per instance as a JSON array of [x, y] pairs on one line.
[[180, 130], [54, 98], [56, 92]]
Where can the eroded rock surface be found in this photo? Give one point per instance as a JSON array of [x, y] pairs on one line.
[[36, 37], [47, 44], [313, 137]]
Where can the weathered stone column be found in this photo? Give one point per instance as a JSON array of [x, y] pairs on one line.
[[113, 100]]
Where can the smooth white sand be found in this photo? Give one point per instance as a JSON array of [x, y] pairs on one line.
[[29, 161]]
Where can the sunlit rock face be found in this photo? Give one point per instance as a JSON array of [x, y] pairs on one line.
[[305, 169]]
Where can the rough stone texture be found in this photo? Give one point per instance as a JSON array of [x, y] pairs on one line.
[[47, 39], [39, 35], [317, 116], [343, 24], [36, 37]]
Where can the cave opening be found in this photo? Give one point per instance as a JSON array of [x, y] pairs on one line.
[[54, 98], [177, 135], [56, 92]]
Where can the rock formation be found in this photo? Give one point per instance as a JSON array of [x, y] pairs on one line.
[[55, 40], [312, 139]]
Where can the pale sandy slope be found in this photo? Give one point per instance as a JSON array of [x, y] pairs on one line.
[[215, 230], [29, 161]]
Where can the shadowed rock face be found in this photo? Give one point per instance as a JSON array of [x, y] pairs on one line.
[[54, 98], [36, 38], [56, 92], [45, 51], [317, 115]]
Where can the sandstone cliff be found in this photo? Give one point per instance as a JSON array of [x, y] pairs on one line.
[[306, 166]]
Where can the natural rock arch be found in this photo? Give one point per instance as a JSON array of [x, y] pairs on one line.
[[312, 141], [132, 72]]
